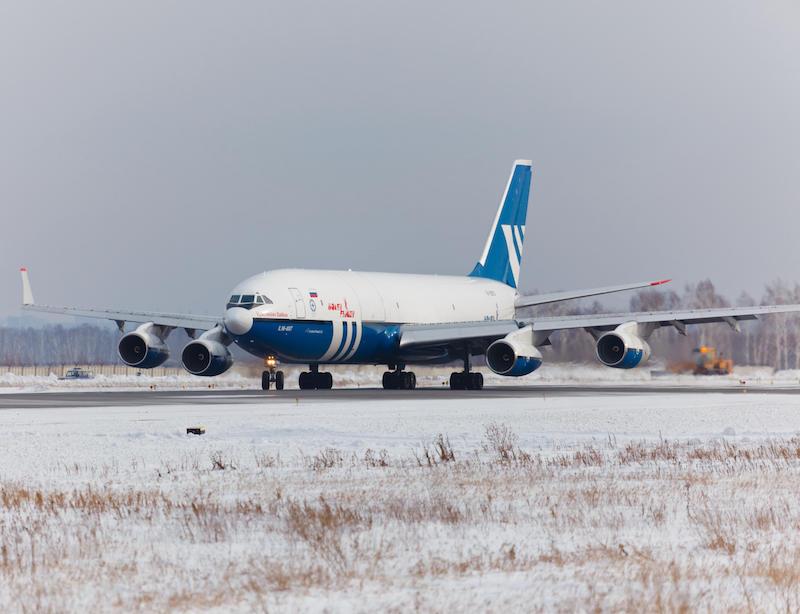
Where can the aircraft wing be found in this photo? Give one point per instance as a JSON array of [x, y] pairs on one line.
[[555, 297], [190, 322], [459, 333], [481, 333], [678, 318]]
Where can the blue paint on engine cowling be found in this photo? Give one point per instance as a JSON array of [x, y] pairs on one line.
[[622, 350], [631, 360], [206, 358], [524, 365], [512, 357], [142, 351]]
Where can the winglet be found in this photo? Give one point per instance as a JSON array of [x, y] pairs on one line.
[[27, 293], [660, 282]]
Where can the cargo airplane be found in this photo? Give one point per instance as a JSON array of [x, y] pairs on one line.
[[320, 317]]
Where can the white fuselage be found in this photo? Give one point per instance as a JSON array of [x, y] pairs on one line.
[[299, 294]]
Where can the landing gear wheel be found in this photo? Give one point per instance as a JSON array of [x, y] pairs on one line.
[[399, 380], [315, 381], [475, 381], [265, 380], [278, 380], [466, 381]]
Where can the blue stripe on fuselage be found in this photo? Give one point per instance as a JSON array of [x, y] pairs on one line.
[[306, 341], [354, 327], [342, 342]]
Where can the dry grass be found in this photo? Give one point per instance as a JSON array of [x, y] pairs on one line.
[[664, 526]]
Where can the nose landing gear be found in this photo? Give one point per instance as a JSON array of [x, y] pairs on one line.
[[270, 375]]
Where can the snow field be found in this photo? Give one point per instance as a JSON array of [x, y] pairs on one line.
[[545, 503]]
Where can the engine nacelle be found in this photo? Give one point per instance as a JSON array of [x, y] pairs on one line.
[[143, 348], [208, 355], [515, 354], [623, 348]]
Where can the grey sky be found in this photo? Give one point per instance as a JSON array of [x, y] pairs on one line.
[[152, 154]]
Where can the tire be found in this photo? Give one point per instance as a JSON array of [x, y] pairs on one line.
[[279, 380], [475, 381], [457, 381], [303, 381], [326, 381], [405, 380], [265, 380], [387, 380], [413, 378]]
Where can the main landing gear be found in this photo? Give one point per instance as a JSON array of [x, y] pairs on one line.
[[466, 379], [399, 379], [314, 380], [271, 376]]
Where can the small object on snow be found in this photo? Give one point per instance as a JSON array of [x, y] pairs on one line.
[[196, 430], [77, 373]]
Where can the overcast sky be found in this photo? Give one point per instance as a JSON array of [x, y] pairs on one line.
[[152, 154]]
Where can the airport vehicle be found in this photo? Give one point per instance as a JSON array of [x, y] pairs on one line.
[[707, 361], [77, 373], [321, 317]]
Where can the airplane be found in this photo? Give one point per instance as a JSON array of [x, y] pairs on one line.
[[322, 317]]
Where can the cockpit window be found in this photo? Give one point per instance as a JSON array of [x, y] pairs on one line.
[[248, 301]]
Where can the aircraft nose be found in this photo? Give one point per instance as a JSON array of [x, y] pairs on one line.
[[238, 321]]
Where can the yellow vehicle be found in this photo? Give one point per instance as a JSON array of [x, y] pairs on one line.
[[706, 362]]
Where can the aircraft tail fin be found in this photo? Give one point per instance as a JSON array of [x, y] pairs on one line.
[[502, 254]]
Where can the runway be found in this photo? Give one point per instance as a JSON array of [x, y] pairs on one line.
[[136, 398]]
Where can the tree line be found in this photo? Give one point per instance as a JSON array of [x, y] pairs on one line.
[[771, 340], [92, 344]]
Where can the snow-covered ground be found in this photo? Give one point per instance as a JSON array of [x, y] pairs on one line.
[[356, 377], [631, 502]]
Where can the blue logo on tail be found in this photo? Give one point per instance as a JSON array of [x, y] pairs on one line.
[[502, 254]]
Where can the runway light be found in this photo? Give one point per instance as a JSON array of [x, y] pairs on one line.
[[196, 430]]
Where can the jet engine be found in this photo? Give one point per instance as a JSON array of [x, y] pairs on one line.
[[144, 348], [515, 354], [208, 355], [623, 348]]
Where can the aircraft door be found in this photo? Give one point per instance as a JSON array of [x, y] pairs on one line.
[[299, 303]]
